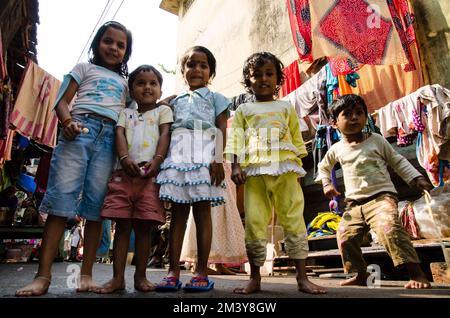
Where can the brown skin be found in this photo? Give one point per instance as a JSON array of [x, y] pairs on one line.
[[263, 82], [146, 91], [197, 75], [350, 123]]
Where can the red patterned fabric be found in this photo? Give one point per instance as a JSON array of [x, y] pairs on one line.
[[342, 66], [409, 222], [346, 26], [403, 21], [292, 81], [300, 20]]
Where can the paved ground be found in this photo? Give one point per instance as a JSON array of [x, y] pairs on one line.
[[282, 285], [279, 295]]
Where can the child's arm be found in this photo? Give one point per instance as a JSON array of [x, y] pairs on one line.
[[421, 183], [404, 168], [324, 173], [70, 129], [216, 168], [297, 139], [237, 174], [166, 101], [128, 164], [235, 146], [152, 166]]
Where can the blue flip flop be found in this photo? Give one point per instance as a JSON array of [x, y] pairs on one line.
[[169, 284], [190, 287]]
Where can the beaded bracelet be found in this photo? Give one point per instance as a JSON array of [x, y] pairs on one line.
[[159, 156]]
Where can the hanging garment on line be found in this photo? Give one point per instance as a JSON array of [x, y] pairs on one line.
[[33, 114]]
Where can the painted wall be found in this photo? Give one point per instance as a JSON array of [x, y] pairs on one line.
[[233, 30], [433, 35]]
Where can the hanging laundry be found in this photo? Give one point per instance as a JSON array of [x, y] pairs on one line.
[[33, 114], [360, 30], [310, 99], [42, 172], [2, 61], [292, 80], [342, 66], [403, 21], [5, 94], [5, 106], [300, 20], [6, 147]]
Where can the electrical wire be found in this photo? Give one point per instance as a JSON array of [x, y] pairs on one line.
[[102, 16], [117, 10]]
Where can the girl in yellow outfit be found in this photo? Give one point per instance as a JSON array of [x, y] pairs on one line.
[[265, 146]]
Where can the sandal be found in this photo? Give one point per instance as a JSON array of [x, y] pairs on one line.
[[192, 287], [169, 283]]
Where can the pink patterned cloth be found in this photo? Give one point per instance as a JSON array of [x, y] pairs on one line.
[[300, 19], [33, 114], [361, 31]]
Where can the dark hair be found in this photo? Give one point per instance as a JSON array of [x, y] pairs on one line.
[[258, 60], [210, 57], [344, 102], [144, 68], [122, 69]]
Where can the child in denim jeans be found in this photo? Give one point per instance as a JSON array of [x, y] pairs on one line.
[[370, 194], [84, 157]]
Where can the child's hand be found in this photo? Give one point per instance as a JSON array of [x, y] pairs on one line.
[[330, 191], [71, 130], [217, 173], [237, 175], [150, 169], [422, 183], [166, 101], [131, 167]]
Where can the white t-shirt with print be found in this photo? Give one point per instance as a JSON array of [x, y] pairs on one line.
[[142, 130]]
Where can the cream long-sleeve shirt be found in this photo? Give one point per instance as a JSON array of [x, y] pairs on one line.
[[364, 167]]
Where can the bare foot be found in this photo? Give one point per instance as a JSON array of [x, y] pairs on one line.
[[418, 283], [306, 286], [87, 284], [418, 280], [253, 286], [115, 284], [38, 287], [358, 280], [223, 270], [143, 285]]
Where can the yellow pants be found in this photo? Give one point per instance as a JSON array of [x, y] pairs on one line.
[[380, 215], [284, 194]]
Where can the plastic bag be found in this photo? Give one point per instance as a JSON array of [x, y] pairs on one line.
[[440, 206]]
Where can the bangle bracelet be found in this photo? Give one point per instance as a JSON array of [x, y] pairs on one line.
[[123, 157], [66, 122], [159, 156]]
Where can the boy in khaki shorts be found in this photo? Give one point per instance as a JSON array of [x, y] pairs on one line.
[[370, 194]]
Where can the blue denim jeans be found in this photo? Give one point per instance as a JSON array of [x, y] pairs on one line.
[[80, 170]]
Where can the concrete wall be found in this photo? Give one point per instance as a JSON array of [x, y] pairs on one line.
[[433, 35], [232, 30]]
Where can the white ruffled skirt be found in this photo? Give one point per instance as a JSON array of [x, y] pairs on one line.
[[184, 175]]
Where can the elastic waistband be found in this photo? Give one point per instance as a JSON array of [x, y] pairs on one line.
[[352, 203], [97, 117]]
